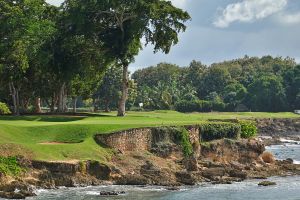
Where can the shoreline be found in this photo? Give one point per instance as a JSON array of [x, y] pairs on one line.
[[221, 161]]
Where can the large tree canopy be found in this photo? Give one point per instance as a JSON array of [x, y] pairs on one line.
[[120, 26], [25, 26]]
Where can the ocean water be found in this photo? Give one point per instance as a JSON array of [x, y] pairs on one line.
[[287, 188], [288, 150]]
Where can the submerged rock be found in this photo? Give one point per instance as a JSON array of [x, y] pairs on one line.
[[111, 193], [267, 183], [16, 195], [173, 188]]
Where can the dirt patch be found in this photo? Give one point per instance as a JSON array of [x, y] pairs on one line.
[[9, 150]]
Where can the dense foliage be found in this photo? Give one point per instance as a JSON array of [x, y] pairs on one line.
[[248, 129], [246, 84], [220, 130], [183, 137], [50, 56], [9, 166], [4, 110], [78, 54]]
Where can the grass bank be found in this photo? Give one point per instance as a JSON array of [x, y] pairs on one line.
[[66, 138]]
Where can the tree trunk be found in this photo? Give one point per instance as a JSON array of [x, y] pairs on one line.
[[37, 105], [53, 103], [15, 98], [25, 104], [107, 105], [18, 101], [61, 99], [74, 104], [122, 102]]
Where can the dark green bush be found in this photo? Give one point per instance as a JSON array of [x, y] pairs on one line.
[[214, 131], [199, 106], [9, 166], [248, 129], [218, 106], [187, 106], [206, 106], [4, 110]]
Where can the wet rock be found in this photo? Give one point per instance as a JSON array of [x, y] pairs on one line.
[[130, 179], [221, 181], [111, 193], [173, 188], [100, 171], [16, 195], [213, 172], [15, 185], [157, 175], [267, 183], [289, 161], [186, 178], [238, 174]]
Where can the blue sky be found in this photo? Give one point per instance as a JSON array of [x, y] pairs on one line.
[[227, 29]]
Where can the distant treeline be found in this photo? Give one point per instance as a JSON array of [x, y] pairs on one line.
[[248, 84]]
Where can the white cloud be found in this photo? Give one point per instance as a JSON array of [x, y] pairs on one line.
[[179, 3], [248, 11], [289, 18]]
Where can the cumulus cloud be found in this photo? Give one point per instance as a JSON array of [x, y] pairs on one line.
[[289, 18], [248, 11]]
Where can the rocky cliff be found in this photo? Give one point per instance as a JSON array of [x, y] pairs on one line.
[[169, 156], [278, 127]]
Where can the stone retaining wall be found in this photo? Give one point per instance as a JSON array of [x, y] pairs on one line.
[[141, 139]]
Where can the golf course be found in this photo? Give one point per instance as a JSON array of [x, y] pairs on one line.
[[70, 138]]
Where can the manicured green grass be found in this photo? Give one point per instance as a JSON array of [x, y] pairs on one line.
[[34, 134]]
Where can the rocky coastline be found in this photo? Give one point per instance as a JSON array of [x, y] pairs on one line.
[[147, 157]]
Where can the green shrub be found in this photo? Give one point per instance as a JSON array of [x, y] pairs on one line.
[[9, 166], [136, 109], [187, 147], [248, 129], [178, 135], [218, 106], [4, 110], [199, 106], [214, 131], [187, 106]]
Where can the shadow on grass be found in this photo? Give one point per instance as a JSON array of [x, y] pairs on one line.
[[65, 117]]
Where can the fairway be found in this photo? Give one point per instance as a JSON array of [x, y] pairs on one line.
[[66, 138]]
